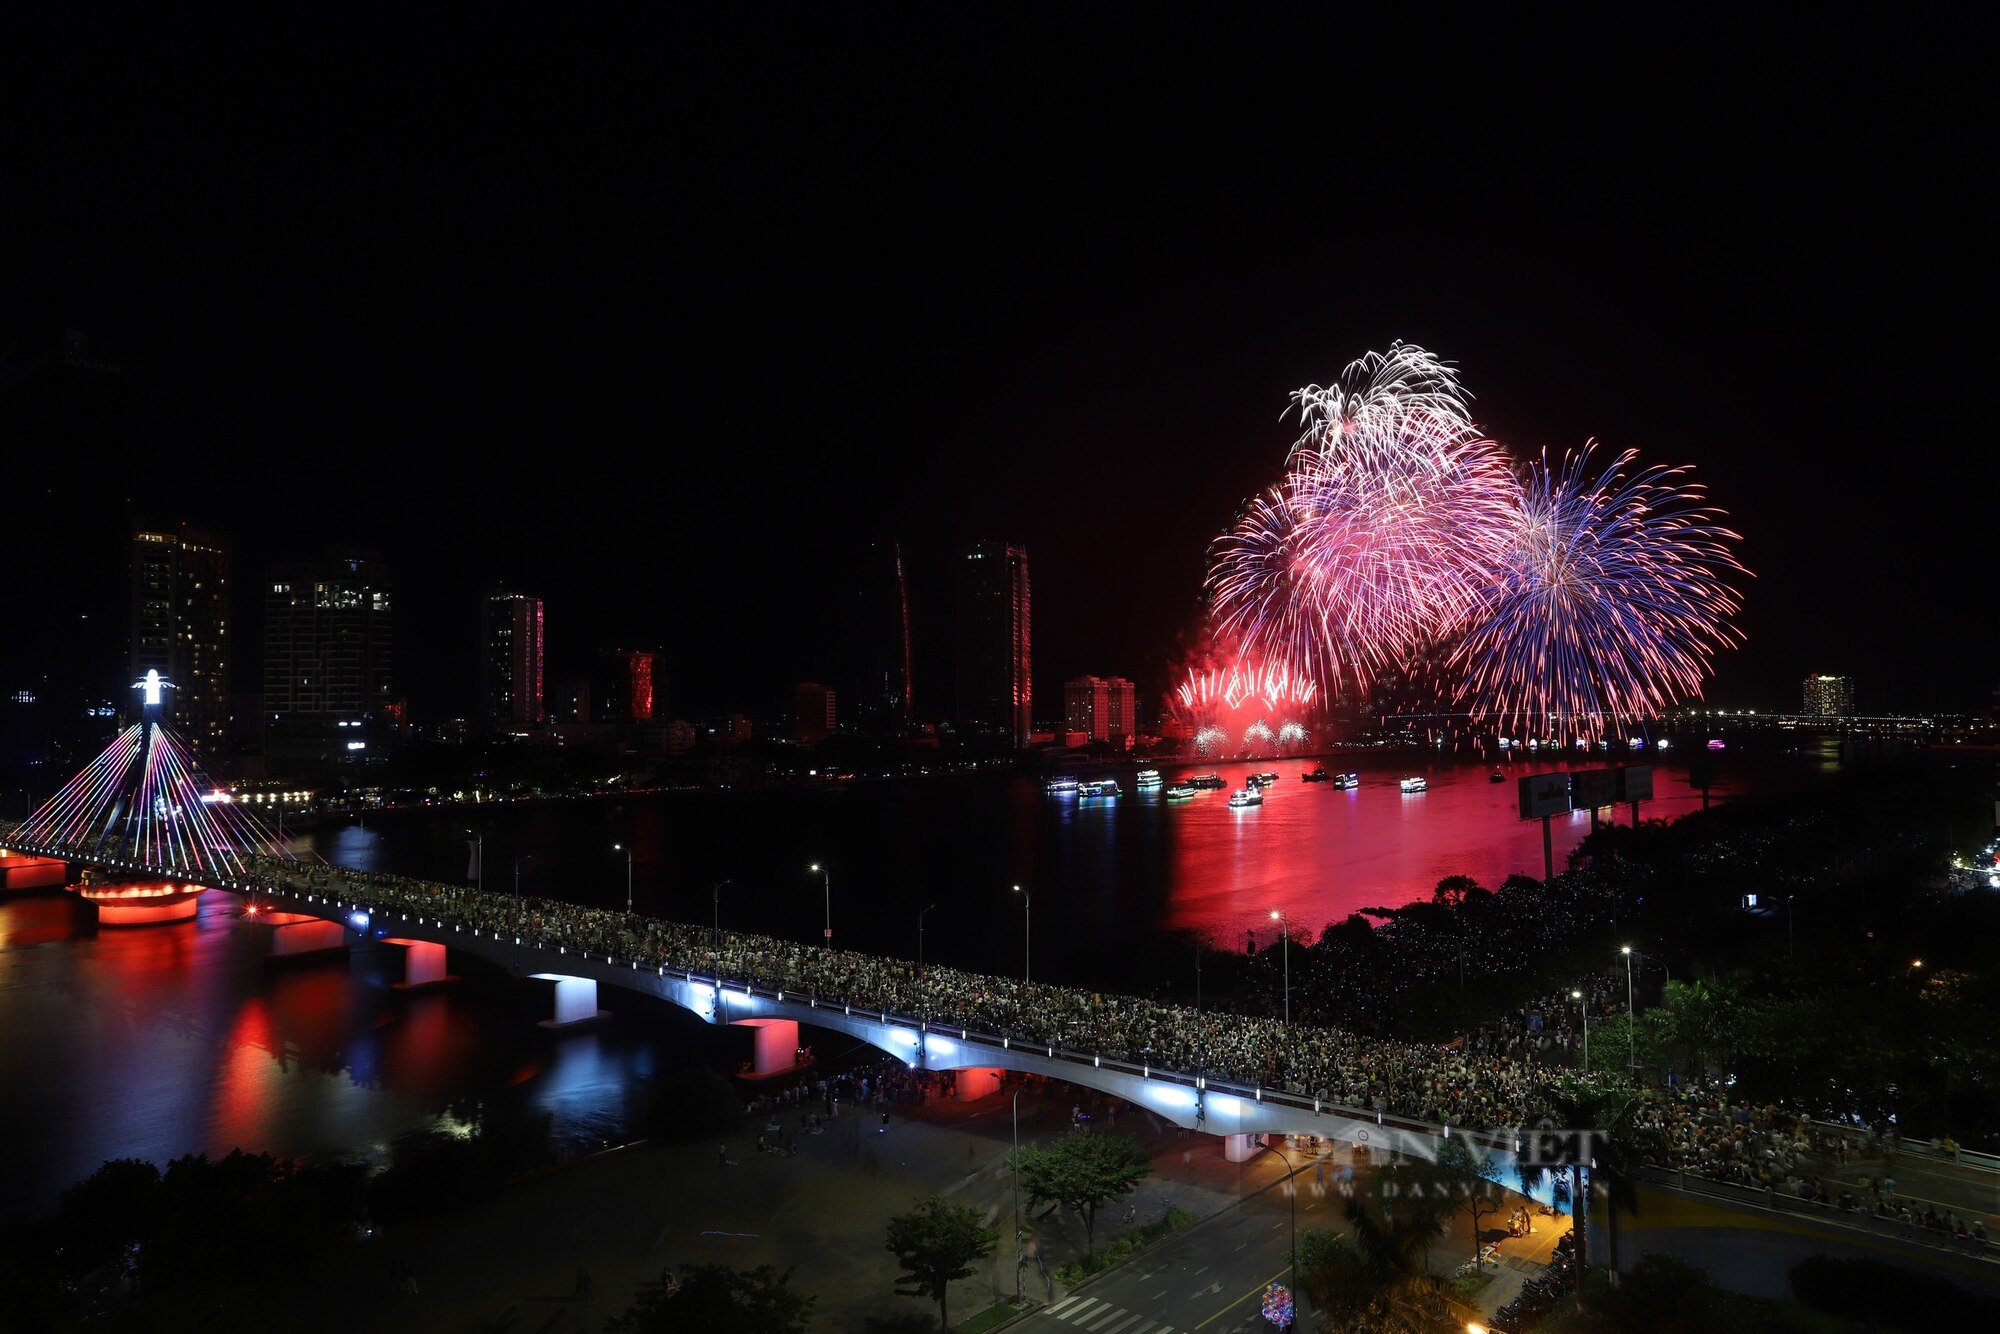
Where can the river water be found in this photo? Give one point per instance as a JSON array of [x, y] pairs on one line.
[[156, 1041]]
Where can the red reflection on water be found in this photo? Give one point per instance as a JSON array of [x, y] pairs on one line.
[[1318, 854], [38, 919], [244, 1083]]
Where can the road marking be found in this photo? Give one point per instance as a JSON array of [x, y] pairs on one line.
[[1121, 1324], [1115, 1312], [1090, 1305], [1248, 1296], [1057, 1308]]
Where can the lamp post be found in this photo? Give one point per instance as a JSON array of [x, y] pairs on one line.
[[1631, 1030], [1293, 1193], [827, 874], [920, 940], [1015, 1164], [1285, 936], [716, 893], [620, 847], [1584, 1006], [1027, 933]]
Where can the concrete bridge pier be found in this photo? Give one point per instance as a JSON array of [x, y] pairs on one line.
[[774, 1044], [20, 871], [423, 964], [977, 1081], [575, 1001], [295, 934]]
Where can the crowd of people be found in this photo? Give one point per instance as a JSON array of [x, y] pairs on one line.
[[1486, 1079]]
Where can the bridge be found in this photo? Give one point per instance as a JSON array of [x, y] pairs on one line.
[[336, 913], [143, 809]]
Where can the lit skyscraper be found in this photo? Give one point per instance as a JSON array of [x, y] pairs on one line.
[[180, 626], [995, 647], [327, 641], [813, 711], [510, 660], [1829, 695], [1121, 706], [626, 687]]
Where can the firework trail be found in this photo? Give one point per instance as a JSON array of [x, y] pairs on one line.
[[1614, 601], [1390, 526]]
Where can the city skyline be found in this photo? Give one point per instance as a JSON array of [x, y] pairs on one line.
[[672, 363]]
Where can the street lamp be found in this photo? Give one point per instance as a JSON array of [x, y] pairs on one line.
[[620, 847], [1285, 936], [478, 856], [1015, 1164], [1027, 933], [920, 940], [1631, 1031], [827, 873], [716, 943], [1293, 1192], [1584, 1006]]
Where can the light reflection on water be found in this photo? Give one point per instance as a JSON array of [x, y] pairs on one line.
[[157, 1041]]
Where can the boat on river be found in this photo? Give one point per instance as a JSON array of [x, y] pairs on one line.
[[1149, 778], [1249, 796], [1207, 782], [1182, 791], [1346, 782], [1101, 787], [1418, 784], [1316, 775]]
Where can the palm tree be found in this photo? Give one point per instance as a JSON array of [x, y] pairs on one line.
[[1377, 1278], [1616, 1154]]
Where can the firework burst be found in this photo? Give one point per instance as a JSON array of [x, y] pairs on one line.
[[1389, 526], [1613, 603]]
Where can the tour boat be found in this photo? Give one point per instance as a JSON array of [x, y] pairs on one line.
[[1249, 796], [1207, 782], [1062, 787], [1346, 781], [1182, 791], [1149, 778], [1416, 785], [1101, 787], [1316, 775], [1496, 777], [1267, 778]]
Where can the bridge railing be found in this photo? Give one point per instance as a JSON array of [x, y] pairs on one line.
[[1857, 1219]]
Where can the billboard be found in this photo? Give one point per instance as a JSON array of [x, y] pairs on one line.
[[1635, 782], [1591, 788], [1544, 794]]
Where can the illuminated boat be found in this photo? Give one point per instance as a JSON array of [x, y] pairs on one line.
[[1149, 778], [1062, 787], [1316, 775], [1102, 787], [1346, 781], [1249, 796], [1416, 785], [1268, 777], [138, 902], [1182, 791], [1207, 782]]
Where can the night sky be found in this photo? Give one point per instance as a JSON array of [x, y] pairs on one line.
[[662, 323]]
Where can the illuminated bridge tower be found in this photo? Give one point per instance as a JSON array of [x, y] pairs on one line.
[[143, 806]]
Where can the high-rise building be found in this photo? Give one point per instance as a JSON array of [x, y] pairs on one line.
[[327, 655], [1100, 708], [510, 660], [813, 711], [627, 687], [995, 647], [1086, 707], [1829, 695], [180, 626], [875, 678], [1121, 704]]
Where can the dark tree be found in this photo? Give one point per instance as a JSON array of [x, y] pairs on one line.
[[937, 1243]]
